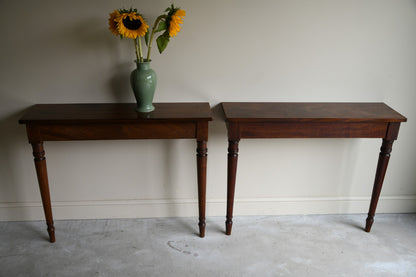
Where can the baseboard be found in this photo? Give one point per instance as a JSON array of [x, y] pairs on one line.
[[215, 207]]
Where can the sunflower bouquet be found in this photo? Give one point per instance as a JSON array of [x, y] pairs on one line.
[[131, 24]]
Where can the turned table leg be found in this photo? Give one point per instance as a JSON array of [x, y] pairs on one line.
[[202, 183], [383, 161], [231, 176], [40, 164]]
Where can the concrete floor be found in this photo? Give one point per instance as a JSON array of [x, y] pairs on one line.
[[313, 245]]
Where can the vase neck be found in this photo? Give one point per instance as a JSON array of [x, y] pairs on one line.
[[143, 65]]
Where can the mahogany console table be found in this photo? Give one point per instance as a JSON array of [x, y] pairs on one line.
[[310, 120], [64, 122]]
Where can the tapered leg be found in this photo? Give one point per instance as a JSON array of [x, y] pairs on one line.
[[231, 175], [383, 161], [202, 183], [40, 164]]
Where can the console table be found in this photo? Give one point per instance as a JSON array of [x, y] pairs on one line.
[[310, 120], [65, 122]]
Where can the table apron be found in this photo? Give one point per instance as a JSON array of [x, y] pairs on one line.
[[96, 131], [310, 129]]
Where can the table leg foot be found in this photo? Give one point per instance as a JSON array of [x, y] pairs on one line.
[[383, 161], [201, 225], [228, 226], [51, 231], [369, 223]]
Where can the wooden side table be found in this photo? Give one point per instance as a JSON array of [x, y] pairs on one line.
[[310, 120], [65, 122]]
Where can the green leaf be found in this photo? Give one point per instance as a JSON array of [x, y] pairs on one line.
[[162, 42], [162, 26]]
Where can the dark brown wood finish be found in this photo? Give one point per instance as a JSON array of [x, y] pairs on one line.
[[64, 122], [310, 120], [42, 173]]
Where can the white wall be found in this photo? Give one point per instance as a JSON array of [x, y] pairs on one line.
[[329, 51]]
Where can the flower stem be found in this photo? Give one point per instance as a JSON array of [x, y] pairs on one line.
[[153, 33], [137, 50], [140, 49]]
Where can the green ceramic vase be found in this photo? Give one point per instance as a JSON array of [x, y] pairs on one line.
[[143, 82]]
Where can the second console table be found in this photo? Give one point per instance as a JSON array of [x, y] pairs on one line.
[[64, 122], [310, 120]]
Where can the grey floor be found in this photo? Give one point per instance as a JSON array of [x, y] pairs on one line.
[[313, 245]]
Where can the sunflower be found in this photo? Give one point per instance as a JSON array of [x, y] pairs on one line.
[[112, 22], [175, 18], [131, 25]]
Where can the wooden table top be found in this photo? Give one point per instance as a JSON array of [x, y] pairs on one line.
[[296, 111], [114, 112]]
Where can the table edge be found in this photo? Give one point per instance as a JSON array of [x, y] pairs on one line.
[[399, 118], [24, 120]]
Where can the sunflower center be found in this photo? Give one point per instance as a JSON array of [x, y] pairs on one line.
[[132, 24]]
